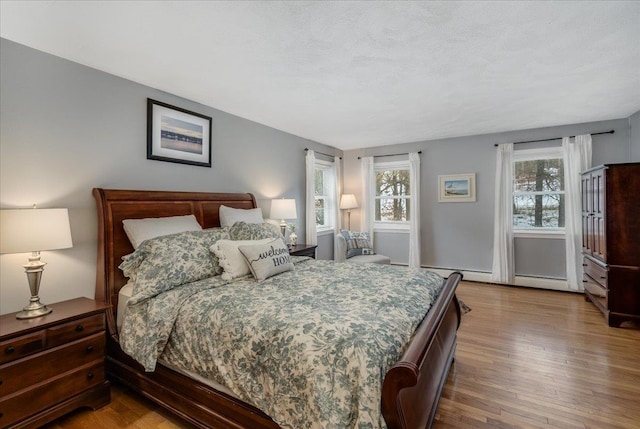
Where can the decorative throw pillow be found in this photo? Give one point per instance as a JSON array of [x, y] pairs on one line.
[[268, 259], [254, 231], [229, 215], [163, 263], [231, 260], [358, 243], [139, 230]]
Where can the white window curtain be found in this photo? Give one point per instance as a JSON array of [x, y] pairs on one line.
[[311, 234], [337, 224], [577, 158], [414, 211], [503, 265], [368, 196]]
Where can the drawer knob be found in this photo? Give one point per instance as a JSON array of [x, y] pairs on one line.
[[584, 281], [584, 265], [9, 350], [90, 376], [79, 328], [89, 349], [603, 277]]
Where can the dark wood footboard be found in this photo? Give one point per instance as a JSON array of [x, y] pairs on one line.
[[412, 387]]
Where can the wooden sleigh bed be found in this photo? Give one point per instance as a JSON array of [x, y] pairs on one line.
[[411, 388]]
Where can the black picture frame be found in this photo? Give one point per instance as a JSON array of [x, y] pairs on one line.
[[178, 135]]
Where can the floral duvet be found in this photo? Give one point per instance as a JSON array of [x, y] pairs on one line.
[[309, 347]]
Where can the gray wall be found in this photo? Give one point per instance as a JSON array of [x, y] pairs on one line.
[[66, 128], [634, 136], [460, 235]]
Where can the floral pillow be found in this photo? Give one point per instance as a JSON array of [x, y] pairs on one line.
[[358, 243], [267, 259], [163, 263], [254, 231]]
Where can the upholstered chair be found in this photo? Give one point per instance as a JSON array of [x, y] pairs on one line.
[[341, 254]]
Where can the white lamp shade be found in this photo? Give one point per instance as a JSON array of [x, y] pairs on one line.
[[348, 201], [284, 208], [33, 230]]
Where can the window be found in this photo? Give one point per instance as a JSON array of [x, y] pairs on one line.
[[538, 190], [325, 195], [393, 193]]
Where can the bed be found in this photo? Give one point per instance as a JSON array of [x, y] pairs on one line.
[[411, 388]]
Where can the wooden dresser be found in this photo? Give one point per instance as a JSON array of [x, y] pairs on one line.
[[52, 364], [611, 240]]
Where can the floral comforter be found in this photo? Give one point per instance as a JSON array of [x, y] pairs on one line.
[[309, 347]]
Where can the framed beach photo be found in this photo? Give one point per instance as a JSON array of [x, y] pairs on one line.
[[177, 135], [457, 188]]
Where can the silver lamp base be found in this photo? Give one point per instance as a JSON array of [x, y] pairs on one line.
[[34, 271], [34, 309]]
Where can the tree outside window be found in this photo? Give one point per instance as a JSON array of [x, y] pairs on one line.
[[324, 195], [393, 194], [538, 193]]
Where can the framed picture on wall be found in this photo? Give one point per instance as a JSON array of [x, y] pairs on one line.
[[177, 135], [457, 188]]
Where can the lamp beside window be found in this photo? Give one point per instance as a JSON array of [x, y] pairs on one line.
[[283, 208], [348, 202], [33, 230]]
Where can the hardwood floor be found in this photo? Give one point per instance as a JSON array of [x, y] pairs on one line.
[[526, 358]]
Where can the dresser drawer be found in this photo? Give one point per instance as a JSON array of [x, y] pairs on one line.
[[27, 402], [25, 345], [596, 271], [39, 368], [597, 291], [74, 330]]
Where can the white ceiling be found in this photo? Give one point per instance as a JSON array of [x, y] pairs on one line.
[[360, 74]]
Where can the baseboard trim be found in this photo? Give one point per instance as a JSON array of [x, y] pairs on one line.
[[523, 281]]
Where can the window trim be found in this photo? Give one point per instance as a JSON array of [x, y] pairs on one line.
[[555, 152], [390, 225], [320, 164]]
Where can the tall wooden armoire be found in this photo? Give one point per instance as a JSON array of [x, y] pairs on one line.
[[611, 240]]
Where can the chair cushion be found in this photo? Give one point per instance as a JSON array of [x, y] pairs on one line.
[[374, 259], [358, 243]]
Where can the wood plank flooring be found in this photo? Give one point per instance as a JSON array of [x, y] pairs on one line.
[[526, 358]]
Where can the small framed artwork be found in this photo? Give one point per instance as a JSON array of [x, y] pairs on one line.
[[177, 135], [457, 188]]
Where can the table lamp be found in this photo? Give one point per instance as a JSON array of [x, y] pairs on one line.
[[348, 202], [284, 208], [33, 230]]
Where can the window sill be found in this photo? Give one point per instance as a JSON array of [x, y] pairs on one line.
[[324, 231], [555, 234], [391, 227]]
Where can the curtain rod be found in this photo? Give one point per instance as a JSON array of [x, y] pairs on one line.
[[325, 154], [558, 138], [391, 154]]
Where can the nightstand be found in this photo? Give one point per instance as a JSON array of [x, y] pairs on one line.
[[303, 250], [52, 364]]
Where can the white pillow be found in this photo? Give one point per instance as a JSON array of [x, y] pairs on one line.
[[229, 215], [139, 230], [231, 260], [268, 259]]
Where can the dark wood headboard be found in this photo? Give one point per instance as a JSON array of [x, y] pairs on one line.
[[114, 206]]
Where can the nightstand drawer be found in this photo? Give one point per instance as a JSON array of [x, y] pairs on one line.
[[23, 403], [595, 271], [26, 372], [16, 348], [74, 330]]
